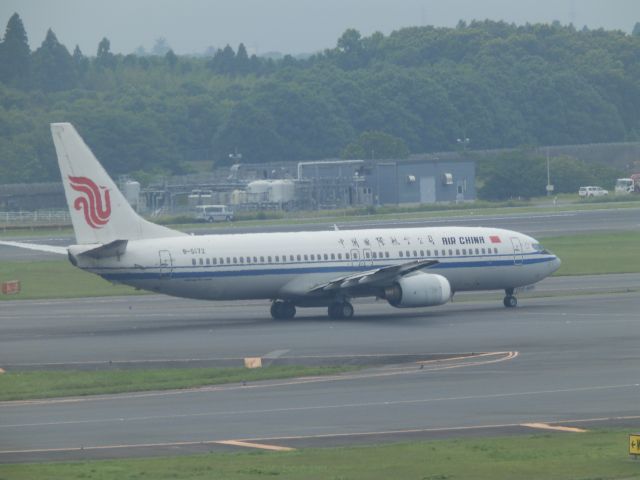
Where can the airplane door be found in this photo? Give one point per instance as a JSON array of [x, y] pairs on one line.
[[367, 258], [517, 251], [166, 264], [355, 257]]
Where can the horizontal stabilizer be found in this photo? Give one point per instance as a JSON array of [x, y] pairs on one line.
[[36, 246], [112, 249]]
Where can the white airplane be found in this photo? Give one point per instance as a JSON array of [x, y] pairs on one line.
[[409, 267]]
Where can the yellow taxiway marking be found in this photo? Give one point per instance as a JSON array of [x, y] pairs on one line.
[[560, 428], [262, 446]]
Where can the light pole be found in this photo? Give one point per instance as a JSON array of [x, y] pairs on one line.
[[463, 142], [549, 186]]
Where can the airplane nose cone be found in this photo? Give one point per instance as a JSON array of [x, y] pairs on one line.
[[555, 264]]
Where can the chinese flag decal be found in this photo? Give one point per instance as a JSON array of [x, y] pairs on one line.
[[495, 239]]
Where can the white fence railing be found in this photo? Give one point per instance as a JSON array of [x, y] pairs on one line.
[[44, 218]]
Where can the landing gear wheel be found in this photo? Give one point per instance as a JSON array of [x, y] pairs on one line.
[[510, 301], [283, 310], [338, 310]]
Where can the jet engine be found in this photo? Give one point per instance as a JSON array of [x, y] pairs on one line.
[[418, 290]]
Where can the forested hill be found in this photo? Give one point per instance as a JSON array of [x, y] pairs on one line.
[[415, 90]]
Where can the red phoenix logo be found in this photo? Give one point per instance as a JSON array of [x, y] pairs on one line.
[[96, 210]]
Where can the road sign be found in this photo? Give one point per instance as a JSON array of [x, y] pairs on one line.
[[634, 444]]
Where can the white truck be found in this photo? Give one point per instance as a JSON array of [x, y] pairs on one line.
[[628, 185]]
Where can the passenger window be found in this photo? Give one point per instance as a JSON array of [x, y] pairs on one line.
[[422, 253], [306, 258], [408, 253], [241, 259], [483, 251], [313, 257], [450, 252], [386, 254], [255, 259], [495, 250], [339, 256], [333, 256], [367, 254], [477, 251], [193, 261], [261, 259], [457, 252], [346, 256], [208, 261], [235, 260], [269, 259], [326, 257], [277, 258], [435, 253], [248, 259], [214, 260], [201, 262], [374, 254], [415, 254], [464, 251], [400, 254]]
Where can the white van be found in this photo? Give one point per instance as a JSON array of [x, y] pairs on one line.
[[213, 213]]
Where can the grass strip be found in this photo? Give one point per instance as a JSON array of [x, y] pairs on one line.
[[48, 384], [57, 279], [596, 253], [593, 455]]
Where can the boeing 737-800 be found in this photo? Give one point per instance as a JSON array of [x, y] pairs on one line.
[[409, 267]]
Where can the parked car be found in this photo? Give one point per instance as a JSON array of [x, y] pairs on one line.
[[213, 213], [592, 192]]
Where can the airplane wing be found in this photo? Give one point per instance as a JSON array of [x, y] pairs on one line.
[[374, 278], [36, 246]]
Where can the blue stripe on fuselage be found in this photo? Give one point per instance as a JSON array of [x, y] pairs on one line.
[[218, 272]]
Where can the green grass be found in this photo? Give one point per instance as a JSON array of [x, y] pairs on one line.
[[593, 455], [47, 384], [595, 253], [56, 279], [583, 254]]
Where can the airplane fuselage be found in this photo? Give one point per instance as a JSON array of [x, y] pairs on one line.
[[289, 265]]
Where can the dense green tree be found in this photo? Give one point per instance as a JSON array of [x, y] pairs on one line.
[[376, 145], [242, 65], [80, 62], [171, 58], [15, 60], [53, 67], [104, 57], [499, 84]]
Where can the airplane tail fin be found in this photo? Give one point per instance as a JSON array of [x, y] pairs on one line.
[[99, 211]]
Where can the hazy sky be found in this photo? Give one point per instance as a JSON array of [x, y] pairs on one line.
[[288, 26]]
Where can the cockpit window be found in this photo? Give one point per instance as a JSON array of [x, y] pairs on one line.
[[540, 249]]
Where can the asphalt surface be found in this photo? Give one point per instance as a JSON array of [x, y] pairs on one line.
[[565, 360], [536, 224]]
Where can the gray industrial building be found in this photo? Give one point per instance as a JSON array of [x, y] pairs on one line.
[[420, 179]]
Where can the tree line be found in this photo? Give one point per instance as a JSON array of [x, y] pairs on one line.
[[415, 90]]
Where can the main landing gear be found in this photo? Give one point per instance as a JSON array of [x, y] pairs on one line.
[[509, 300], [283, 310], [338, 310]]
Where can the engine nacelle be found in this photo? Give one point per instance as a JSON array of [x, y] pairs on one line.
[[419, 290]]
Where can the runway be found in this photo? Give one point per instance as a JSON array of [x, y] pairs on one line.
[[568, 361]]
